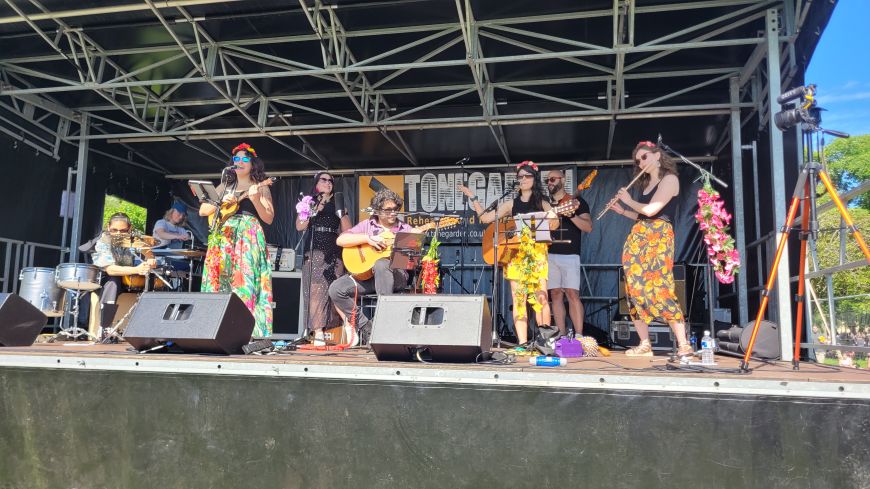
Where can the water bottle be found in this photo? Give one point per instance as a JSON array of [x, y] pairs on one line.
[[542, 361], [707, 349], [693, 340]]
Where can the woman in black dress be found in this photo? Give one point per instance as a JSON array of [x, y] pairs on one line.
[[323, 257]]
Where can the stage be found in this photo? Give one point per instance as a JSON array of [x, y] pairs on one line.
[[101, 416]]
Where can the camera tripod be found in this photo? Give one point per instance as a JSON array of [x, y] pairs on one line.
[[804, 192]]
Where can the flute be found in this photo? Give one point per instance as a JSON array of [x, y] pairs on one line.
[[616, 197]]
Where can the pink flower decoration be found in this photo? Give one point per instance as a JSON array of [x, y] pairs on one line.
[[713, 220]]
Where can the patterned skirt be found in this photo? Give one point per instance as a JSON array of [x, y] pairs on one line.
[[238, 261], [648, 263]]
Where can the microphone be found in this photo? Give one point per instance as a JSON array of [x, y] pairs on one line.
[[659, 141], [515, 184], [463, 161], [232, 167]]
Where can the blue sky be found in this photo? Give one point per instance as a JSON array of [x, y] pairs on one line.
[[840, 67]]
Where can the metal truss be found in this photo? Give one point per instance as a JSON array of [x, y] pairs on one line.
[[135, 113]]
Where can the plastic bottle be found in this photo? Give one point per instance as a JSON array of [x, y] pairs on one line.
[[707, 347], [693, 340], [542, 361]]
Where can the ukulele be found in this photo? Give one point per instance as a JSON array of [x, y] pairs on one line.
[[359, 260], [509, 239], [228, 209]]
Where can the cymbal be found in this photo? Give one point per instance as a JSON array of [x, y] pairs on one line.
[[187, 253]]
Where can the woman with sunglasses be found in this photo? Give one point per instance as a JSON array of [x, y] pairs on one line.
[[648, 253], [530, 198], [237, 259], [323, 260]]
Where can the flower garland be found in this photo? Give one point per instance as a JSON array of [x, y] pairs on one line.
[[527, 266], [304, 207], [429, 278], [713, 220]]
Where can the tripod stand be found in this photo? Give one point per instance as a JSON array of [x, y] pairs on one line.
[[805, 191]]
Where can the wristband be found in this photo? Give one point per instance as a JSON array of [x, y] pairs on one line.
[[473, 199]]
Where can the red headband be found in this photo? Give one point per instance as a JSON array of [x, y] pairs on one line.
[[528, 163], [244, 147], [647, 143]]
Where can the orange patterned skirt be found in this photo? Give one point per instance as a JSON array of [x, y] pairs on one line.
[[648, 263]]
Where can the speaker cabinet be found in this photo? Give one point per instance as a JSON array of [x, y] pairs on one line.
[[287, 303], [679, 289], [191, 321], [20, 321], [445, 328]]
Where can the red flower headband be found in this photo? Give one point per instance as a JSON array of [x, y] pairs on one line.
[[529, 163], [244, 147], [647, 143]]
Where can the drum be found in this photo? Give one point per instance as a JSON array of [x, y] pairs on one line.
[[37, 286], [77, 276]]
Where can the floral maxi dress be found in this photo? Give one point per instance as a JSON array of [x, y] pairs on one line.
[[238, 261]]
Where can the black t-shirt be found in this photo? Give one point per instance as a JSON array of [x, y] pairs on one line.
[[569, 232]]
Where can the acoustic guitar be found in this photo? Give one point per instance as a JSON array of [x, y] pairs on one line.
[[509, 239], [359, 260], [228, 209]]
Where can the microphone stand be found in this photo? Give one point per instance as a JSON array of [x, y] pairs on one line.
[[495, 265], [690, 162], [309, 248], [463, 242]]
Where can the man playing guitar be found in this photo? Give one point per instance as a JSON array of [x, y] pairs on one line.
[[345, 290]]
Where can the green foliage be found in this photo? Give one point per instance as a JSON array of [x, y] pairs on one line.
[[138, 215], [849, 164]]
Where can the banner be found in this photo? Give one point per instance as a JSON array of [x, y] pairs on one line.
[[428, 192]]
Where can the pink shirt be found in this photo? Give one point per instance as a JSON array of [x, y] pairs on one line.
[[371, 227]]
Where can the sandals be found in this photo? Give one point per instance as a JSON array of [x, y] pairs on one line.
[[644, 349], [685, 350]]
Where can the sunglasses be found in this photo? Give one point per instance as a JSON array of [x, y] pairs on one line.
[[524, 176], [553, 179], [118, 231], [237, 159], [636, 160], [391, 210], [326, 180]]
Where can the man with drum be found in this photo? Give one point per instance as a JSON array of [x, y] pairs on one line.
[[114, 254], [171, 232]]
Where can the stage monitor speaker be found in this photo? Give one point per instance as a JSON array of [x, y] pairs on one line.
[[736, 340], [679, 289], [20, 321], [287, 305], [445, 328], [191, 321]]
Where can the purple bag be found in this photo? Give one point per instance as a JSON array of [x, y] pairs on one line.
[[568, 348]]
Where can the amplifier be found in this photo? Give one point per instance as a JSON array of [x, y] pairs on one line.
[[622, 333], [285, 261], [287, 303]]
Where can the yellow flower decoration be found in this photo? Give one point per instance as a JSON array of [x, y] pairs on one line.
[[529, 268]]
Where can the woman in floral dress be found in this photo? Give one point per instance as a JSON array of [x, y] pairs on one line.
[[237, 259], [648, 253]]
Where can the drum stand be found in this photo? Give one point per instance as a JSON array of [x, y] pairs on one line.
[[74, 331], [113, 335]]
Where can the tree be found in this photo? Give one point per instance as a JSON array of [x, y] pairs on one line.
[[138, 215], [849, 165]]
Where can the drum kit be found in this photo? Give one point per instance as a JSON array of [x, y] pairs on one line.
[[58, 291]]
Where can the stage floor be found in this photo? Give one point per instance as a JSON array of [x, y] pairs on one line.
[[616, 372]]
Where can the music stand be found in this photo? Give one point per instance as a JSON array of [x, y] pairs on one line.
[[204, 191], [538, 223], [407, 251]]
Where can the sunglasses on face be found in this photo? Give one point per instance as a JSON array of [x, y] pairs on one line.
[[326, 180], [237, 159], [643, 157], [117, 231], [390, 210], [524, 176], [554, 179]]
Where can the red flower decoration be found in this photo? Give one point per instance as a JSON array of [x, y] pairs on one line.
[[244, 147], [529, 163], [647, 143]]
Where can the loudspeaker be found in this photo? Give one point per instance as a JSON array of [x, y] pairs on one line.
[[20, 321], [287, 320], [679, 289], [191, 321], [736, 340], [446, 328]]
